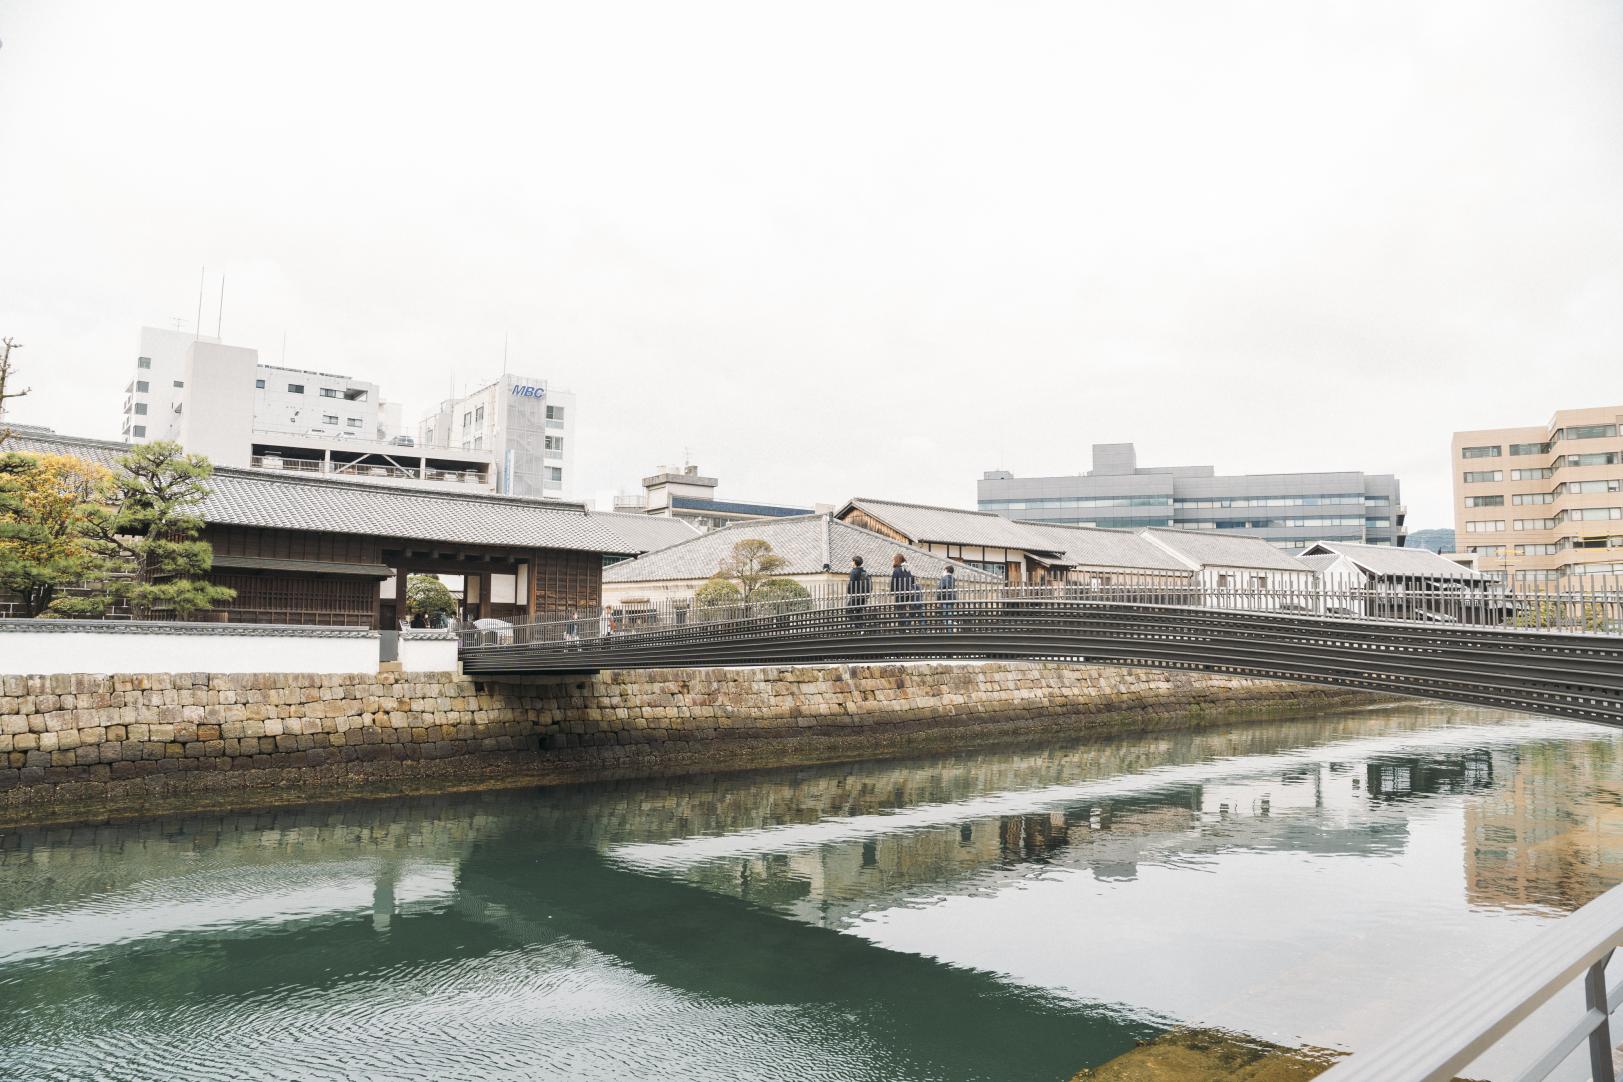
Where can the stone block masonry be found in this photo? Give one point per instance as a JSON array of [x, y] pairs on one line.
[[87, 746]]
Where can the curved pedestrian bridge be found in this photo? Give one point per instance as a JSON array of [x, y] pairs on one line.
[[1560, 657]]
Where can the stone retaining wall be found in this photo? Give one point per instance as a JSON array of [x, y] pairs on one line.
[[78, 745]]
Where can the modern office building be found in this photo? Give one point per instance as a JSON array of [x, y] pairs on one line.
[[687, 494], [1544, 503], [1291, 510], [512, 436], [527, 425]]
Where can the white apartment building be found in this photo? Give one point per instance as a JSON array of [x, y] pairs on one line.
[[219, 401], [523, 422]]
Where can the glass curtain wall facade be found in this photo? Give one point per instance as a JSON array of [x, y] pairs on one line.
[[1291, 510]]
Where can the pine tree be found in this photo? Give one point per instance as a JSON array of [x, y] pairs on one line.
[[145, 536]]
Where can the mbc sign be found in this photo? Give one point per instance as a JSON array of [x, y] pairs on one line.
[[527, 391]]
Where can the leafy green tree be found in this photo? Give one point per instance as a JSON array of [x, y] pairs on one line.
[[144, 534], [751, 564], [782, 595], [1588, 617], [427, 596], [716, 599], [46, 503]]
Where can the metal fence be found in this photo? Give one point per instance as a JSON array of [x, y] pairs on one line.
[[1591, 607], [1551, 657], [1445, 1042]]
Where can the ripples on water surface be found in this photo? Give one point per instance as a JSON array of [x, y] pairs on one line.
[[1004, 914]]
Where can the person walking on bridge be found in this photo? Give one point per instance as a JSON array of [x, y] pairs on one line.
[[858, 585], [904, 590], [946, 596]]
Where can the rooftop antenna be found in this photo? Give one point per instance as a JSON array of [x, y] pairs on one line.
[[197, 328], [178, 321], [219, 320]]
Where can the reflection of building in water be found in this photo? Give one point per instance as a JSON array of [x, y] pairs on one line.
[[1308, 808], [1433, 774], [1551, 833]]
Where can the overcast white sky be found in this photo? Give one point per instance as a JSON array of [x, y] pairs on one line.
[[834, 249]]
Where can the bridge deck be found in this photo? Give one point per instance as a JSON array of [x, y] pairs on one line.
[[1573, 674]]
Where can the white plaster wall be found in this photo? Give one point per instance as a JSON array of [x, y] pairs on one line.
[[45, 653], [427, 655]]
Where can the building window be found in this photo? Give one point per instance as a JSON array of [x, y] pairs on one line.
[[1532, 475], [1486, 550], [467, 419], [555, 443], [352, 422], [1486, 527], [1589, 432], [139, 431], [479, 414], [1534, 524], [143, 362], [1474, 476], [1529, 448], [1487, 451], [555, 413], [355, 394], [329, 392], [477, 442], [1521, 499], [295, 388], [1487, 501], [329, 418], [141, 408], [428, 436], [1598, 458], [259, 385], [142, 386], [1578, 514], [1589, 486], [555, 474], [180, 383], [1535, 550]]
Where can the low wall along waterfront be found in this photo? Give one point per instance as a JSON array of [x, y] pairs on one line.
[[76, 746]]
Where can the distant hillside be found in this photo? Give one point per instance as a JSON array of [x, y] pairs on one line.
[[1436, 540]]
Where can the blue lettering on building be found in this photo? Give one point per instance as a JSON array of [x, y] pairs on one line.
[[528, 391]]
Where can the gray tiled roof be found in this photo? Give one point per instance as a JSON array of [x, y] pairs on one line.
[[646, 533], [1387, 561], [1208, 549], [1091, 546], [952, 526], [1321, 564], [806, 542], [261, 498]]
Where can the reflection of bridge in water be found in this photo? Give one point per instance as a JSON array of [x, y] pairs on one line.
[[1473, 656]]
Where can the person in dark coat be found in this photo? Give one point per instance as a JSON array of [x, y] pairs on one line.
[[946, 596], [904, 590], [858, 585]]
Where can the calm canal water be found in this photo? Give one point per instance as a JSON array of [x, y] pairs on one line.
[[1018, 913]]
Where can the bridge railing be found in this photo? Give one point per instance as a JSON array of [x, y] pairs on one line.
[[1440, 1045], [1593, 606]]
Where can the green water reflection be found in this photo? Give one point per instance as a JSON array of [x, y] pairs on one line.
[[1002, 914]]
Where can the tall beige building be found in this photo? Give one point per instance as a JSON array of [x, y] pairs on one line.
[[1543, 503]]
